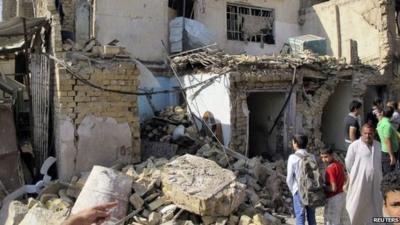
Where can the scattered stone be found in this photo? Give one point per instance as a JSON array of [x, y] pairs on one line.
[[221, 221], [130, 171], [200, 186], [152, 196], [157, 203], [233, 220], [38, 215], [259, 219], [46, 197], [239, 164], [136, 201], [16, 213], [271, 219], [244, 220], [154, 218], [207, 220], [139, 188]]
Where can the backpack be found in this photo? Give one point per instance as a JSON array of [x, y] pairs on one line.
[[310, 182]]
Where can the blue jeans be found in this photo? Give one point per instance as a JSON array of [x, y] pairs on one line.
[[301, 211]]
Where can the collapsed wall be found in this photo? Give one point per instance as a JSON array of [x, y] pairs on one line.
[[91, 126], [96, 126], [314, 79]]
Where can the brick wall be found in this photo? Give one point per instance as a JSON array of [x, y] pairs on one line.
[[77, 102], [76, 99], [91, 127], [309, 109]]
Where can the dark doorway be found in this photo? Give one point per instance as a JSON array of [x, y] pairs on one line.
[[182, 7], [264, 108]]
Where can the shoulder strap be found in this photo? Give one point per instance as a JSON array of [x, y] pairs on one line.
[[300, 155]]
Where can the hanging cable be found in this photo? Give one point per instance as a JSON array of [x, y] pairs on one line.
[[88, 83]]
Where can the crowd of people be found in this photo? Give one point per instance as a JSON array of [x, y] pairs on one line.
[[366, 188]]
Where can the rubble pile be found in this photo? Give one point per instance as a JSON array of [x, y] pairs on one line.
[[93, 48], [173, 126], [211, 59], [209, 188]]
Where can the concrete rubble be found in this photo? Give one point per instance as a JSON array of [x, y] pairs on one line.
[[208, 186], [201, 186]]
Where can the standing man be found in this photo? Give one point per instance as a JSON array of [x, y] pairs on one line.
[[395, 117], [352, 126], [299, 143], [334, 179], [363, 163], [389, 142], [371, 118]]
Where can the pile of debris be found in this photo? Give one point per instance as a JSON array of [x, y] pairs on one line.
[[93, 48], [216, 60], [183, 190], [170, 132]]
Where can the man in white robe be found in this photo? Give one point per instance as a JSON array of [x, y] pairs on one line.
[[363, 163]]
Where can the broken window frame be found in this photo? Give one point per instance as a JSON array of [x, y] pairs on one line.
[[234, 27]]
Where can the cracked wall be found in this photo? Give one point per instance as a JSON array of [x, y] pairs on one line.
[[98, 127], [309, 106], [343, 20], [91, 126]]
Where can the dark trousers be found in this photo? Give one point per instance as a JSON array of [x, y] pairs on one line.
[[386, 167]]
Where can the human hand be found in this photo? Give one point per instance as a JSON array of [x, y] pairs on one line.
[[96, 215], [392, 160]]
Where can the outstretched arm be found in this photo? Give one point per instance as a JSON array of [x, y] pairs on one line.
[[96, 215]]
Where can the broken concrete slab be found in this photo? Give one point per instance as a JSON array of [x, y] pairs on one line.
[[38, 215], [16, 213], [244, 220], [259, 219], [105, 185], [158, 203], [201, 186], [136, 201], [154, 218]]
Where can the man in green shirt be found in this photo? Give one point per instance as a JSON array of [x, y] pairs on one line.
[[389, 142]]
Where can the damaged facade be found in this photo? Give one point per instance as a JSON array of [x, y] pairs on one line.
[[262, 118]]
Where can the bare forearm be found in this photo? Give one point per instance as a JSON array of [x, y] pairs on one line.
[[352, 134], [389, 146]]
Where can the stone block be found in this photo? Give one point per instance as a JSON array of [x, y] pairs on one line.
[[136, 201], [16, 213], [158, 203], [259, 219], [244, 220], [39, 215], [201, 186], [154, 218], [105, 185]]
